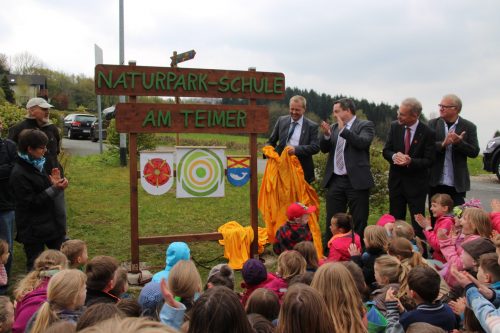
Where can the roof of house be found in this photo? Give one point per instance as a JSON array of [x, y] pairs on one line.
[[33, 80]]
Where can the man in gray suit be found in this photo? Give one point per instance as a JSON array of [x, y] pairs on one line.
[[299, 133], [348, 177], [456, 140]]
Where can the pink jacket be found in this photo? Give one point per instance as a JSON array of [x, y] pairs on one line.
[[279, 286], [452, 254], [339, 247], [495, 221], [249, 289], [443, 222], [28, 305]]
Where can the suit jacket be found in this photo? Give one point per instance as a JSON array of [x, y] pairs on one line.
[[308, 143], [413, 178], [356, 153], [469, 147]]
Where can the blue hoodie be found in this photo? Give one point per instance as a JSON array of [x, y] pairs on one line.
[[175, 252]]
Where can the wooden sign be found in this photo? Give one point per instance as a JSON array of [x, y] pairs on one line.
[[187, 82], [190, 118]]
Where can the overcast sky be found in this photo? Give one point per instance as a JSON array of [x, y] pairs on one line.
[[384, 50]]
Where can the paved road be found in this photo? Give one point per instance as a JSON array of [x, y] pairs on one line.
[[484, 187]]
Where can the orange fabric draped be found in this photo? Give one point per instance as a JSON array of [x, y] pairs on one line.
[[283, 183], [237, 241]]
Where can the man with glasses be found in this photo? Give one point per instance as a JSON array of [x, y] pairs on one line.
[[299, 133], [348, 177], [456, 140]]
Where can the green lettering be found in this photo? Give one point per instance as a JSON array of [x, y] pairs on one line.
[[160, 78], [191, 85], [247, 84], [278, 85], [267, 89], [171, 77], [258, 90], [180, 83], [107, 81], [150, 119], [121, 80], [230, 118], [164, 119], [241, 119], [132, 79], [202, 85], [199, 116], [151, 81], [223, 85], [186, 114], [219, 118], [233, 81]]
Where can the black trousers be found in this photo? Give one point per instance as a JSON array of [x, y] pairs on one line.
[[33, 250], [342, 198], [399, 201]]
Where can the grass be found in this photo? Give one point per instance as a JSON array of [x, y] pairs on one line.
[[475, 166]]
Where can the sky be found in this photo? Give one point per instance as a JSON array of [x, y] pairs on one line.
[[383, 50]]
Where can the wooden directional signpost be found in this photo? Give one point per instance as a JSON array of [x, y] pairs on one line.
[[136, 118]]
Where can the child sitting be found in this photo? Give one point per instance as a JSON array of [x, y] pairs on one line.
[[472, 251], [441, 206], [290, 264], [76, 252], [176, 251], [65, 297], [387, 222], [405, 230], [423, 283], [220, 275], [264, 302], [4, 257], [6, 314], [101, 279], [343, 236], [309, 253], [121, 284], [296, 229], [376, 241], [475, 223], [388, 271], [255, 276], [495, 215]]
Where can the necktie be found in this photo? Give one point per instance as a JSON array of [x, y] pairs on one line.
[[339, 153], [407, 140], [290, 131]]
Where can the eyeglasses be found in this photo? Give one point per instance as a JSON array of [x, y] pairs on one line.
[[441, 106]]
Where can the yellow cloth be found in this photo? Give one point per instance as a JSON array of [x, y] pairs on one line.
[[237, 241], [283, 183]]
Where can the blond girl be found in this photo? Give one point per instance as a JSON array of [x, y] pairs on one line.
[[342, 298], [65, 297]]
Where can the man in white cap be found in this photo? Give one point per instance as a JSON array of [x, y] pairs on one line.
[[38, 118]]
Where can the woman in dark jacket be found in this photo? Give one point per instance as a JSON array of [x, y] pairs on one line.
[[38, 217]]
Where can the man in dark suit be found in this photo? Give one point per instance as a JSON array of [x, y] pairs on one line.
[[456, 140], [299, 133], [348, 178], [409, 149]]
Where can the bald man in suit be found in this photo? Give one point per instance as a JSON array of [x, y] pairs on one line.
[[299, 133]]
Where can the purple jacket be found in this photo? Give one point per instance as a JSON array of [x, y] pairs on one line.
[[28, 305]]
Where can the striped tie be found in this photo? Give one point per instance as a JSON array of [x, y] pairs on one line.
[[339, 153]]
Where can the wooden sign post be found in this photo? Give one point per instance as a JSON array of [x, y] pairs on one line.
[[136, 118]]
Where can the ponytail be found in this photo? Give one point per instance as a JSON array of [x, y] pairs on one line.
[[44, 318]]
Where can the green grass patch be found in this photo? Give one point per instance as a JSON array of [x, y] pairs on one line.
[[475, 166]]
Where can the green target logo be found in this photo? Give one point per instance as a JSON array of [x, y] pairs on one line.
[[201, 173]]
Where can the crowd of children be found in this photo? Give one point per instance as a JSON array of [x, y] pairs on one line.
[[391, 281]]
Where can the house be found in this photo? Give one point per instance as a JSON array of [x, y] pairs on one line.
[[28, 86]]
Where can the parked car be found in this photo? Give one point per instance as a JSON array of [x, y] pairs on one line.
[[94, 130], [491, 156], [78, 125]]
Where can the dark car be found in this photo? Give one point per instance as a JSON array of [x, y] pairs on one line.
[[94, 130], [78, 125], [491, 156]]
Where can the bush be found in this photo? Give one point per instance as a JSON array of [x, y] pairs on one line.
[[379, 194], [11, 114], [145, 141]]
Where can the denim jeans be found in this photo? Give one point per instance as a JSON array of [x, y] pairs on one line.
[[6, 232]]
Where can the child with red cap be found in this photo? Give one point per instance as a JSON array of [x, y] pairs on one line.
[[296, 229]]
